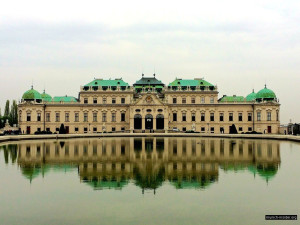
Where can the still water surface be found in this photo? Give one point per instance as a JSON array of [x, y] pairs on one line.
[[148, 181]]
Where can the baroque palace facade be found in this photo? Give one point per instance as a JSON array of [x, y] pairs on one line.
[[149, 106]]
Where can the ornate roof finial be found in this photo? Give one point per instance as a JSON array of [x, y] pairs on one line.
[[253, 90], [265, 85], [142, 74], [154, 75]]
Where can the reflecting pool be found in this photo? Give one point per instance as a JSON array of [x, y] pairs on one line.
[[148, 181]]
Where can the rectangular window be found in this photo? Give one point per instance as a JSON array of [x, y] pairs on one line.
[[104, 100], [76, 129], [240, 128], [57, 117], [212, 130], [122, 117], [277, 116], [212, 100], [212, 117], [258, 116], [193, 117], [85, 117], [85, 130], [202, 129], [123, 100], [202, 100], [76, 117], [202, 116], [113, 101], [249, 116], [193, 100], [221, 117], [39, 117], [86, 100], [28, 117], [67, 117], [95, 101], [184, 129], [20, 117], [230, 116], [113, 129], [240, 116], [174, 100], [94, 129], [268, 116], [183, 116], [113, 117], [103, 117], [47, 117], [183, 100], [95, 117], [174, 116], [250, 129]]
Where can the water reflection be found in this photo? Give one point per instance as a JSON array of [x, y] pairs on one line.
[[147, 162]]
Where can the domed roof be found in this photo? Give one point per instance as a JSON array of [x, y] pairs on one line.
[[251, 96], [46, 97], [31, 94], [265, 94]]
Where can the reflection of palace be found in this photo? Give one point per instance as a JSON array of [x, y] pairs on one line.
[[184, 162], [149, 105]]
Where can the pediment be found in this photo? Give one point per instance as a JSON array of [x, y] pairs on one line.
[[149, 99]]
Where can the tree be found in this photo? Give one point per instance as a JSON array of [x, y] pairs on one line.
[[6, 110], [232, 129], [14, 113], [62, 129]]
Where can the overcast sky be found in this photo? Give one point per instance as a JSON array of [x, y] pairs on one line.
[[237, 45]]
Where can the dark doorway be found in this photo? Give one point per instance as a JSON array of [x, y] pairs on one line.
[[160, 122], [149, 122], [28, 130], [269, 129], [67, 129], [137, 122]]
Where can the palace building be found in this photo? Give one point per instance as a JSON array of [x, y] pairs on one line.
[[149, 106], [183, 162]]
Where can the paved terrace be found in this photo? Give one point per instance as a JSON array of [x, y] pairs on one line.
[[67, 136]]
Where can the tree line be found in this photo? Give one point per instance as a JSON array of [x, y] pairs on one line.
[[10, 114]]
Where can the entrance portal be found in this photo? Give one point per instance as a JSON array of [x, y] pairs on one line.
[[160, 122], [137, 122], [269, 129], [149, 122]]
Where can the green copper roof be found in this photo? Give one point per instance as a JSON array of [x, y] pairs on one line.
[[195, 82], [265, 93], [267, 172], [251, 96], [148, 81], [100, 82], [158, 86], [232, 99], [99, 185], [31, 94], [64, 99], [46, 97]]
